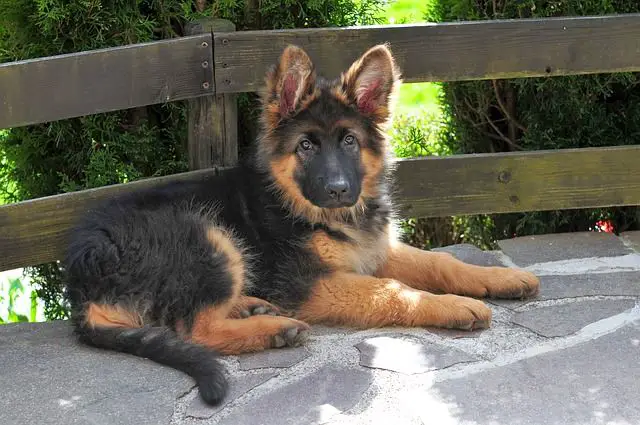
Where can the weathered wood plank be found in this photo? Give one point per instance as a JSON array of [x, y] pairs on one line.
[[65, 86], [78, 84], [213, 120], [444, 52], [519, 181], [34, 231]]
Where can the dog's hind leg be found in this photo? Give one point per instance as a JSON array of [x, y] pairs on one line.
[[221, 326], [365, 301], [213, 329], [442, 273]]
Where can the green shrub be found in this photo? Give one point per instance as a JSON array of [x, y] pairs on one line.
[[541, 113], [423, 134], [122, 146]]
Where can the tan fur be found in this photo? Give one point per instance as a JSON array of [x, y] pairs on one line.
[[365, 301], [222, 241], [339, 255], [220, 326], [111, 316], [340, 95], [270, 119], [236, 336], [364, 253], [441, 272], [373, 165]]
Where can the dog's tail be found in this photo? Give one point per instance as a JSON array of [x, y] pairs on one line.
[[163, 346]]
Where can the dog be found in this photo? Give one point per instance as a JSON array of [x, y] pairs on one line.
[[300, 233]]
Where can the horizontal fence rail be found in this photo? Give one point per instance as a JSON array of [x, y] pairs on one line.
[[519, 181], [34, 232], [444, 52], [67, 86]]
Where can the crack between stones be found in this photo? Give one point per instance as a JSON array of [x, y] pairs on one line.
[[186, 393], [180, 405]]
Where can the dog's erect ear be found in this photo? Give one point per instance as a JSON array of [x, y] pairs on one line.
[[371, 81], [290, 80]]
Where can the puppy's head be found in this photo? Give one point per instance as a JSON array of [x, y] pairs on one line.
[[323, 142]]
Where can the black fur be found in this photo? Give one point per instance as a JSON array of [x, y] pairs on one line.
[[148, 250]]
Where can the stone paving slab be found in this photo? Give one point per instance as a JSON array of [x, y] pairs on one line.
[[566, 319], [237, 388], [401, 353], [528, 250], [473, 255], [561, 358], [632, 239], [312, 400], [48, 379], [596, 382], [286, 357]]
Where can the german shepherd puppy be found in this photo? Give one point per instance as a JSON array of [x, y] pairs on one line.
[[300, 233]]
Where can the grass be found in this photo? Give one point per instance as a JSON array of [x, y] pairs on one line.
[[405, 11], [419, 99]]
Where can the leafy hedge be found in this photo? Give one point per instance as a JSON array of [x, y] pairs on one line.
[[535, 114], [122, 146]]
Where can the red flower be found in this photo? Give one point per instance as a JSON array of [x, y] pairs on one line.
[[604, 226]]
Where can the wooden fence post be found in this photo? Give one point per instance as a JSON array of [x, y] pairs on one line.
[[213, 120]]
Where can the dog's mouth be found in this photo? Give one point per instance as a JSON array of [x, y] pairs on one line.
[[332, 204]]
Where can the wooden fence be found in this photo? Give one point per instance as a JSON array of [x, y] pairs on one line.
[[208, 67]]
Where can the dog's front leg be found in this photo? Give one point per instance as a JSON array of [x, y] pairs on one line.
[[442, 273], [365, 301]]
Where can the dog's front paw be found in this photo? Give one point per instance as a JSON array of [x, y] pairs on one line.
[[454, 312], [512, 283]]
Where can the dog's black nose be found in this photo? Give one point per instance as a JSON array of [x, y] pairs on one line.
[[337, 188]]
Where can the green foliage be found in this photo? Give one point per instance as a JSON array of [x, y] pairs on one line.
[[7, 186], [541, 113], [419, 135], [9, 294], [406, 11], [122, 146], [424, 134]]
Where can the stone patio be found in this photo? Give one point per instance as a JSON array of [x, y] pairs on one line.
[[571, 356]]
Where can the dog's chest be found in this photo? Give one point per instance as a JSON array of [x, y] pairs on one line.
[[358, 251]]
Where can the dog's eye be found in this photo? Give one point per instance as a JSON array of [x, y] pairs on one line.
[[305, 144], [349, 139]]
